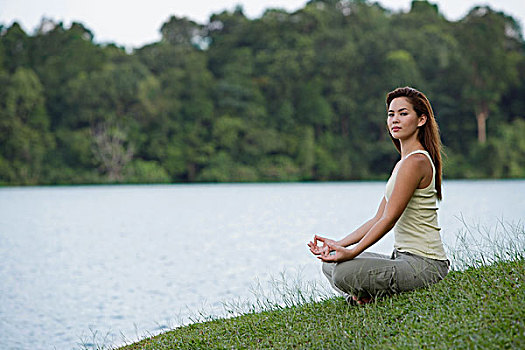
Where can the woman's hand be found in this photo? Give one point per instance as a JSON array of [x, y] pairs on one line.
[[336, 253], [318, 250]]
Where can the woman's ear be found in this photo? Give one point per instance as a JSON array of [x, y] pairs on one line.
[[422, 120]]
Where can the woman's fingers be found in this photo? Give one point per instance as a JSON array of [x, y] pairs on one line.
[[330, 246], [316, 250], [312, 245], [326, 258], [319, 238], [324, 250]]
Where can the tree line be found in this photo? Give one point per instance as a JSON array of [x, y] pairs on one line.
[[283, 97]]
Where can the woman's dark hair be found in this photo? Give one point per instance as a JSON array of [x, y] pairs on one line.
[[428, 133]]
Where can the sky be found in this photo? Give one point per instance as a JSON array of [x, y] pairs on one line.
[[135, 23]]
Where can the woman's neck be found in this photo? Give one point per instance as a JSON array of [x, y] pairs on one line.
[[409, 146]]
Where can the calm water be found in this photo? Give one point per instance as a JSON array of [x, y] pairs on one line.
[[127, 261]]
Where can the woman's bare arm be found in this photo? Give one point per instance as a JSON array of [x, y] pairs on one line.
[[408, 178]]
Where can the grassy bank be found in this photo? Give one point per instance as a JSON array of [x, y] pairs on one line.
[[479, 305], [482, 307]]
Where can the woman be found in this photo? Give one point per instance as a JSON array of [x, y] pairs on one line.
[[409, 206]]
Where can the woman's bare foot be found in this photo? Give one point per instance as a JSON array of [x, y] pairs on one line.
[[362, 301]]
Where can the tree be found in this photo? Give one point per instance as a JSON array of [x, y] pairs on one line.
[[312, 107], [181, 128], [111, 149], [287, 96], [485, 36], [181, 32], [16, 44], [25, 139]]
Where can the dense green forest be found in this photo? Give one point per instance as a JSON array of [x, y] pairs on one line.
[[284, 97]]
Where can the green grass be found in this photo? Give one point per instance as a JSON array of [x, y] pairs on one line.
[[478, 308], [480, 305]]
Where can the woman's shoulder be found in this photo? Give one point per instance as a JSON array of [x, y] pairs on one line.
[[418, 155], [417, 165], [413, 161], [416, 160]]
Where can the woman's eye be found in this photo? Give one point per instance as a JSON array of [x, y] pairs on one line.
[[404, 113]]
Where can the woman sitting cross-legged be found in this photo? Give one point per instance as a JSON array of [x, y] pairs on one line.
[[409, 206]]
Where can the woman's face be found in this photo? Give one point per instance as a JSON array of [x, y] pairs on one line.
[[402, 120]]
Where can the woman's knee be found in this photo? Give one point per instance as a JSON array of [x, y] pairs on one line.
[[328, 269], [339, 280], [346, 279]]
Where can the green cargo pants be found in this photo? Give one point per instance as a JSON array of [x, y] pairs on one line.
[[375, 275]]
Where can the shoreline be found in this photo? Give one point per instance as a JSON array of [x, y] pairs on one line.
[[481, 306]]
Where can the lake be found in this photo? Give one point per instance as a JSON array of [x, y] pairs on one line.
[[116, 263]]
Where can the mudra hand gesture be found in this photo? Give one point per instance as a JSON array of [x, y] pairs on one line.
[[330, 251], [317, 249]]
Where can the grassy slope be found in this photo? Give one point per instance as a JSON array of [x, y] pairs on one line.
[[477, 308]]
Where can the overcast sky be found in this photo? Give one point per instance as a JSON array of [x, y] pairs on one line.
[[136, 23]]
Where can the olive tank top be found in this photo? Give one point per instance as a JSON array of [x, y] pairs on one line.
[[417, 230]]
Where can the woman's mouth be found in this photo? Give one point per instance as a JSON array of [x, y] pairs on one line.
[[396, 128]]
